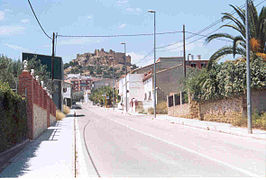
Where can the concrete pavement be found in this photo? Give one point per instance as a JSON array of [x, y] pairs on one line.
[[123, 145], [207, 125], [49, 156]]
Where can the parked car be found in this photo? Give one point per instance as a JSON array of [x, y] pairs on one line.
[[76, 106]]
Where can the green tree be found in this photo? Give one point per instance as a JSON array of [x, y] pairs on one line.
[[257, 32], [10, 71]]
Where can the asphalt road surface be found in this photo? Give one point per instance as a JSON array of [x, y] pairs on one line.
[[122, 145]]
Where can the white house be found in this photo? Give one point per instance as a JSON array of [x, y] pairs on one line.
[[148, 101], [67, 93], [135, 88]]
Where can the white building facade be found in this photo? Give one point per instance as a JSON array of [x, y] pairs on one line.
[[135, 88]]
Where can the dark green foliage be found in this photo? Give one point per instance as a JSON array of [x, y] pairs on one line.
[[236, 20], [13, 118], [40, 70], [9, 71], [97, 95], [77, 96], [225, 80]]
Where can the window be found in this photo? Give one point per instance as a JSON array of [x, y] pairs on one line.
[[203, 65], [193, 65], [149, 95], [170, 101], [145, 97], [177, 99]]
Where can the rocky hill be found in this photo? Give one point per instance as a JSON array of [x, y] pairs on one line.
[[99, 64]]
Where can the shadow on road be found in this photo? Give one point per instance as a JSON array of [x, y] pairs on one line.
[[21, 163], [77, 115]]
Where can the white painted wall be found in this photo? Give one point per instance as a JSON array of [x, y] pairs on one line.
[[147, 103], [134, 86]]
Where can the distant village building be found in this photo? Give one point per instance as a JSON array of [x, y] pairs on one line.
[[169, 72], [80, 83], [67, 93], [103, 82]]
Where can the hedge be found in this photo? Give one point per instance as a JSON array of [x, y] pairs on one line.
[[13, 118]]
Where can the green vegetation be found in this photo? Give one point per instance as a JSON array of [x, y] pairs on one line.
[[77, 96], [161, 108], [104, 95], [258, 121], [13, 121], [257, 33], [10, 71], [40, 70], [225, 80]]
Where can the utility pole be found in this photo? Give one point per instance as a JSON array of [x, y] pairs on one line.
[[52, 64], [249, 105], [52, 59], [154, 63], [184, 51]]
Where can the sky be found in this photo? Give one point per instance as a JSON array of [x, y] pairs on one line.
[[20, 32]]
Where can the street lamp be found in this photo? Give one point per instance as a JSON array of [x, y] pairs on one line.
[[125, 60], [249, 104], [154, 63]]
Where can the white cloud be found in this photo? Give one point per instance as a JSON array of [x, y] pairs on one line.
[[122, 26], [16, 47], [121, 2], [10, 30], [25, 21], [77, 41], [2, 15]]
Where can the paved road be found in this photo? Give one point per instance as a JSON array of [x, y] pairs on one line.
[[137, 146]]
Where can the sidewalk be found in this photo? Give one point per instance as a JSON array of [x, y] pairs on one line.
[[207, 125], [49, 156], [215, 126]]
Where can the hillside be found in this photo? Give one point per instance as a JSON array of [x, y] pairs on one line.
[[99, 64]]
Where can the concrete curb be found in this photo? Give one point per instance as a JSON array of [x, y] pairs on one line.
[[213, 128], [11, 153]]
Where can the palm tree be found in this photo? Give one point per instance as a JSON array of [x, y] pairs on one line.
[[257, 32]]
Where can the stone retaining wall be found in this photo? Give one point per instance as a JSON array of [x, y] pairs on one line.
[[225, 110]]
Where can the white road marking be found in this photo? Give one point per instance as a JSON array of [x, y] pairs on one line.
[[191, 151]]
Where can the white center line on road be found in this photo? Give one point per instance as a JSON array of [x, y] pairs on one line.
[[190, 150]]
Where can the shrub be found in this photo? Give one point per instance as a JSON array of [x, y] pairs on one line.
[[151, 110], [66, 109], [13, 118], [161, 108], [60, 115], [258, 121]]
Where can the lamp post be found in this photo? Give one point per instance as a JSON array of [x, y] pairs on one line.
[[249, 109], [125, 60], [154, 64]]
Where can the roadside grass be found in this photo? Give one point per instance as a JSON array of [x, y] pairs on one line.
[[258, 121], [66, 109], [60, 115]]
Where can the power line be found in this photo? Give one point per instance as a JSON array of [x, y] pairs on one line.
[[203, 36], [117, 35], [147, 55], [38, 20], [220, 20]]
